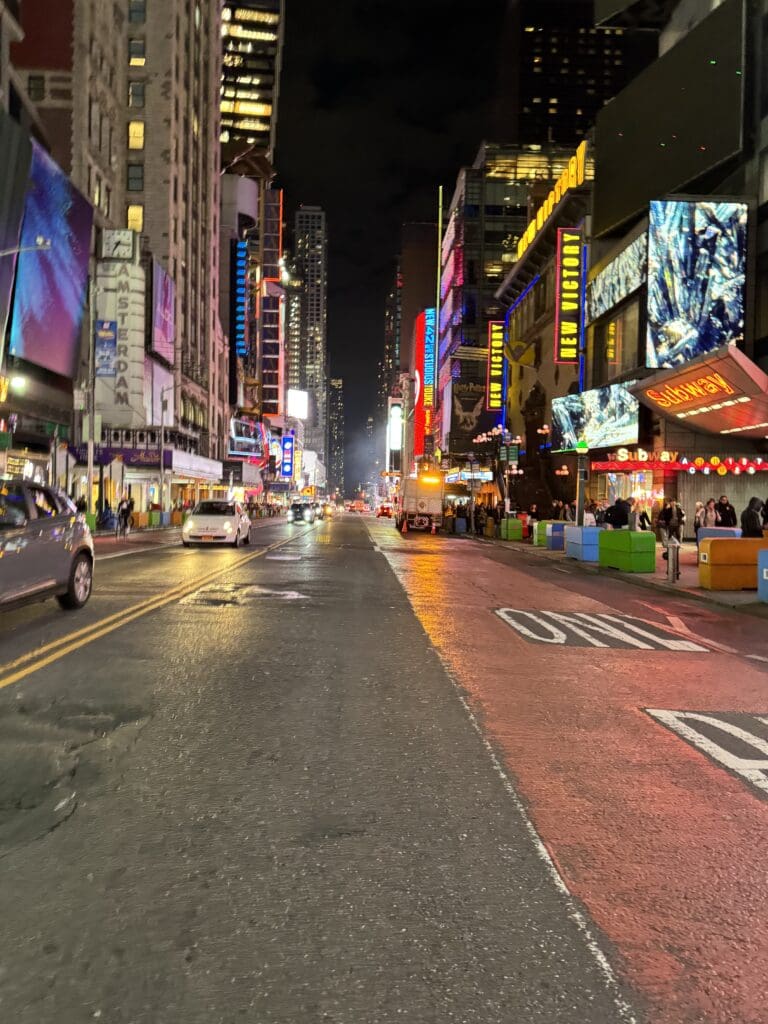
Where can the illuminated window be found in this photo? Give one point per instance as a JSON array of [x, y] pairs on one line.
[[243, 14], [135, 135], [241, 32], [136, 53], [135, 217], [136, 94]]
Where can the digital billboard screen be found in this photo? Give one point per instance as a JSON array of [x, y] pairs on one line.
[[14, 174], [163, 313], [600, 418], [697, 260], [51, 283], [619, 279]]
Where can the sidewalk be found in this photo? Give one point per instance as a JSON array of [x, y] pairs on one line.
[[686, 586]]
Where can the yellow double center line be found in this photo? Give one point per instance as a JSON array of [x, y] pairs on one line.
[[33, 661]]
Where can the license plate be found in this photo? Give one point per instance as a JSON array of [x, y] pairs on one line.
[[208, 536]]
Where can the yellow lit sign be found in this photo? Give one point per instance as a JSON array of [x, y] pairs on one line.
[[689, 392], [573, 176]]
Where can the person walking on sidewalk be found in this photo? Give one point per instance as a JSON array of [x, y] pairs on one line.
[[672, 520], [752, 519], [727, 512]]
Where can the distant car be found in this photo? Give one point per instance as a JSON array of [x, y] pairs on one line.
[[367, 508], [301, 512], [319, 510], [216, 522], [384, 512], [46, 548], [329, 510]]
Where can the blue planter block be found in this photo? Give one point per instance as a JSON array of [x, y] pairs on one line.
[[165, 519], [718, 531], [581, 543], [461, 525], [762, 576], [556, 536]]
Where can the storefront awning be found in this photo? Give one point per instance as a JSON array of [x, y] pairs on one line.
[[723, 392]]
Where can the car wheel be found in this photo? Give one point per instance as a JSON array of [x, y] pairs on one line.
[[80, 583], [236, 541], [247, 537]]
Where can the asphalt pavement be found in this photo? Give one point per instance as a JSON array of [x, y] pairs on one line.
[[259, 785]]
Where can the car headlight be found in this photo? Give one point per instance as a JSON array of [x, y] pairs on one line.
[[188, 526], [227, 527]]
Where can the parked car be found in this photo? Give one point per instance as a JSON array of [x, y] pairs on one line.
[[46, 548], [216, 522], [384, 511], [301, 512]]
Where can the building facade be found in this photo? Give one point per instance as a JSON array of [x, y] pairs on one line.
[[311, 256], [336, 429], [252, 35]]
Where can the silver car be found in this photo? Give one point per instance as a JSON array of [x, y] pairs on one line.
[[46, 548]]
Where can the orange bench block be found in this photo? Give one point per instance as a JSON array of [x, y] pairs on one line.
[[729, 563]]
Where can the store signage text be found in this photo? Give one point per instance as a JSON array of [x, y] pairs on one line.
[[573, 176], [569, 297], [641, 455], [495, 391], [691, 391]]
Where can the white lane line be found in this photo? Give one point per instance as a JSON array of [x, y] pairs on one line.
[[623, 1009], [758, 657]]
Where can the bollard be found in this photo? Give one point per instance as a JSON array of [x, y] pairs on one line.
[[673, 560]]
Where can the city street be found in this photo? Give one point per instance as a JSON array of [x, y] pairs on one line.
[[345, 775]]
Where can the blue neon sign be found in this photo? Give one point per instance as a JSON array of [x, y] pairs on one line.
[[287, 445]]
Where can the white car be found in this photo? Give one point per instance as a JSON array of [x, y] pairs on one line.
[[216, 522]]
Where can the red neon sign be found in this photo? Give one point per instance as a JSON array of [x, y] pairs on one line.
[[419, 410]]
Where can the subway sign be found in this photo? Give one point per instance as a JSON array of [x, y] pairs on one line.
[[569, 294], [495, 389]]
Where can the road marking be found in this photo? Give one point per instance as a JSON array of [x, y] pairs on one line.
[[33, 661], [729, 738], [580, 629]]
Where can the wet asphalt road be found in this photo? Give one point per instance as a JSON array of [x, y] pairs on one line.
[[264, 800]]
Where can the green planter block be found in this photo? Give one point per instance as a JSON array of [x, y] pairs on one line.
[[511, 529], [90, 518], [627, 550], [540, 533], [154, 518]]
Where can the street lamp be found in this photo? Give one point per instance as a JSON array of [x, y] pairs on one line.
[[41, 245]]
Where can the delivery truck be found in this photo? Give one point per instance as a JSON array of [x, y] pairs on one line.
[[421, 501]]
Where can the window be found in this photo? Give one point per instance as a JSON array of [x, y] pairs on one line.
[[36, 88], [135, 135], [135, 217], [136, 53], [137, 11], [135, 177], [136, 94], [44, 502]]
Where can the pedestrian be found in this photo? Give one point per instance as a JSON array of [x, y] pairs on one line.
[[533, 513], [726, 511], [617, 516], [709, 515], [765, 515], [672, 520], [643, 519], [752, 519], [698, 516], [590, 515]]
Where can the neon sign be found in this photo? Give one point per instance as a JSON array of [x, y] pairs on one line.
[[574, 175], [496, 367], [569, 297], [288, 446], [692, 391]]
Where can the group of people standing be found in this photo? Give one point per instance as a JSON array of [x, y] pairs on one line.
[[753, 520]]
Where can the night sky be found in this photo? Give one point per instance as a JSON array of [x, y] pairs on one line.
[[381, 102]]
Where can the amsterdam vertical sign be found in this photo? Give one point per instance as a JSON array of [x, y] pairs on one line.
[[569, 294]]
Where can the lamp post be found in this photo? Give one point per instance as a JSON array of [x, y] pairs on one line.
[[582, 453], [163, 406]]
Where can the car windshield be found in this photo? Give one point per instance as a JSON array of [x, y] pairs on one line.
[[215, 508], [296, 507]]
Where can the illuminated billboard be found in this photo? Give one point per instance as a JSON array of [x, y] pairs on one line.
[[619, 279], [419, 418], [601, 418], [247, 438], [697, 262], [239, 297], [395, 427], [569, 294], [496, 367], [14, 173], [288, 450], [163, 313], [50, 283], [297, 404]]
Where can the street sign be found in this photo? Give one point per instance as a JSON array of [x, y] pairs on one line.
[[510, 453]]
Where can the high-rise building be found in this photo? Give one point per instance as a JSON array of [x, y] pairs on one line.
[[72, 63], [173, 182], [311, 244], [336, 435], [294, 300], [559, 70], [252, 34], [487, 215], [10, 32]]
